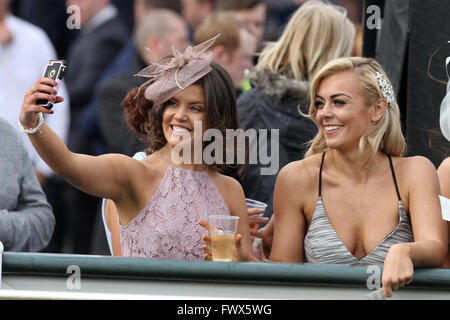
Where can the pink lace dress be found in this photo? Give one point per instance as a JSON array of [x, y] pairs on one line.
[[167, 228]]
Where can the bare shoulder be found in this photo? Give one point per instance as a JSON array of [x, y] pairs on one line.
[[300, 173], [416, 173], [444, 168], [142, 174], [413, 166], [231, 191], [154, 165], [228, 186], [444, 177], [296, 189]]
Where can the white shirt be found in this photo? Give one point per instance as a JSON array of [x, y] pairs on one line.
[[22, 62]]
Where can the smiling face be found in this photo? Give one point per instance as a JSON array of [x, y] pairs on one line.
[[182, 112], [342, 112]]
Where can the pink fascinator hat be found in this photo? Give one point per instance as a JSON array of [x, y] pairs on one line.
[[169, 76]]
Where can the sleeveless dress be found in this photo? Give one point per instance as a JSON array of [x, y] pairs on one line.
[[323, 245], [167, 228]]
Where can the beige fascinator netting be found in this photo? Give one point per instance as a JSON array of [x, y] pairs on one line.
[[169, 76]]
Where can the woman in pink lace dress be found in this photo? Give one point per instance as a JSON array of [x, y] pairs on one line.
[[160, 199]]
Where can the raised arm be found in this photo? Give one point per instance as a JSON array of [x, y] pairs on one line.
[[104, 176]]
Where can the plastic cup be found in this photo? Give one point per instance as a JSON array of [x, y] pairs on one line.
[[223, 229], [251, 204]]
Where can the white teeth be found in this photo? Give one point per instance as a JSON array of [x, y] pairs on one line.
[[331, 128], [179, 130]]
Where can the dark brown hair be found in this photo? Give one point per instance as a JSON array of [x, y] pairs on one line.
[[220, 99]]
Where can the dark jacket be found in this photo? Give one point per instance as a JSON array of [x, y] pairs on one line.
[[119, 138], [273, 103], [89, 56]]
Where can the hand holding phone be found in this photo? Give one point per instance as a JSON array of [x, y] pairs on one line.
[[55, 70]]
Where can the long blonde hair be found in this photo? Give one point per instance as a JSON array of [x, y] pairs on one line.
[[316, 34], [386, 135]]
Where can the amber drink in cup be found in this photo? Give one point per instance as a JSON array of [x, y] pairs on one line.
[[223, 229]]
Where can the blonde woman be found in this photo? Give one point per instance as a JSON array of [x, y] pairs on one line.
[[355, 199], [316, 34]]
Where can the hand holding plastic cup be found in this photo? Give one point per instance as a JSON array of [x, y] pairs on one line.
[[254, 204], [223, 229], [251, 204]]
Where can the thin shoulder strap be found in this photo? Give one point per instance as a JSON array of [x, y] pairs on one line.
[[395, 179], [320, 174], [164, 159]]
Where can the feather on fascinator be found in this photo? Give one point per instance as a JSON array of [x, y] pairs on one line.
[[169, 76]]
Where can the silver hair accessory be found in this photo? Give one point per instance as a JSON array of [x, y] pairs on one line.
[[386, 89]]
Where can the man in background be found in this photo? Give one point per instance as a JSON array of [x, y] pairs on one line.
[[25, 50], [251, 12], [195, 12], [234, 49], [103, 35]]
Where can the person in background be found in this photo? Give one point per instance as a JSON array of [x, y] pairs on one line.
[[316, 34], [251, 12], [54, 24], [18, 67], [278, 14], [103, 35], [26, 218], [235, 48], [195, 11]]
